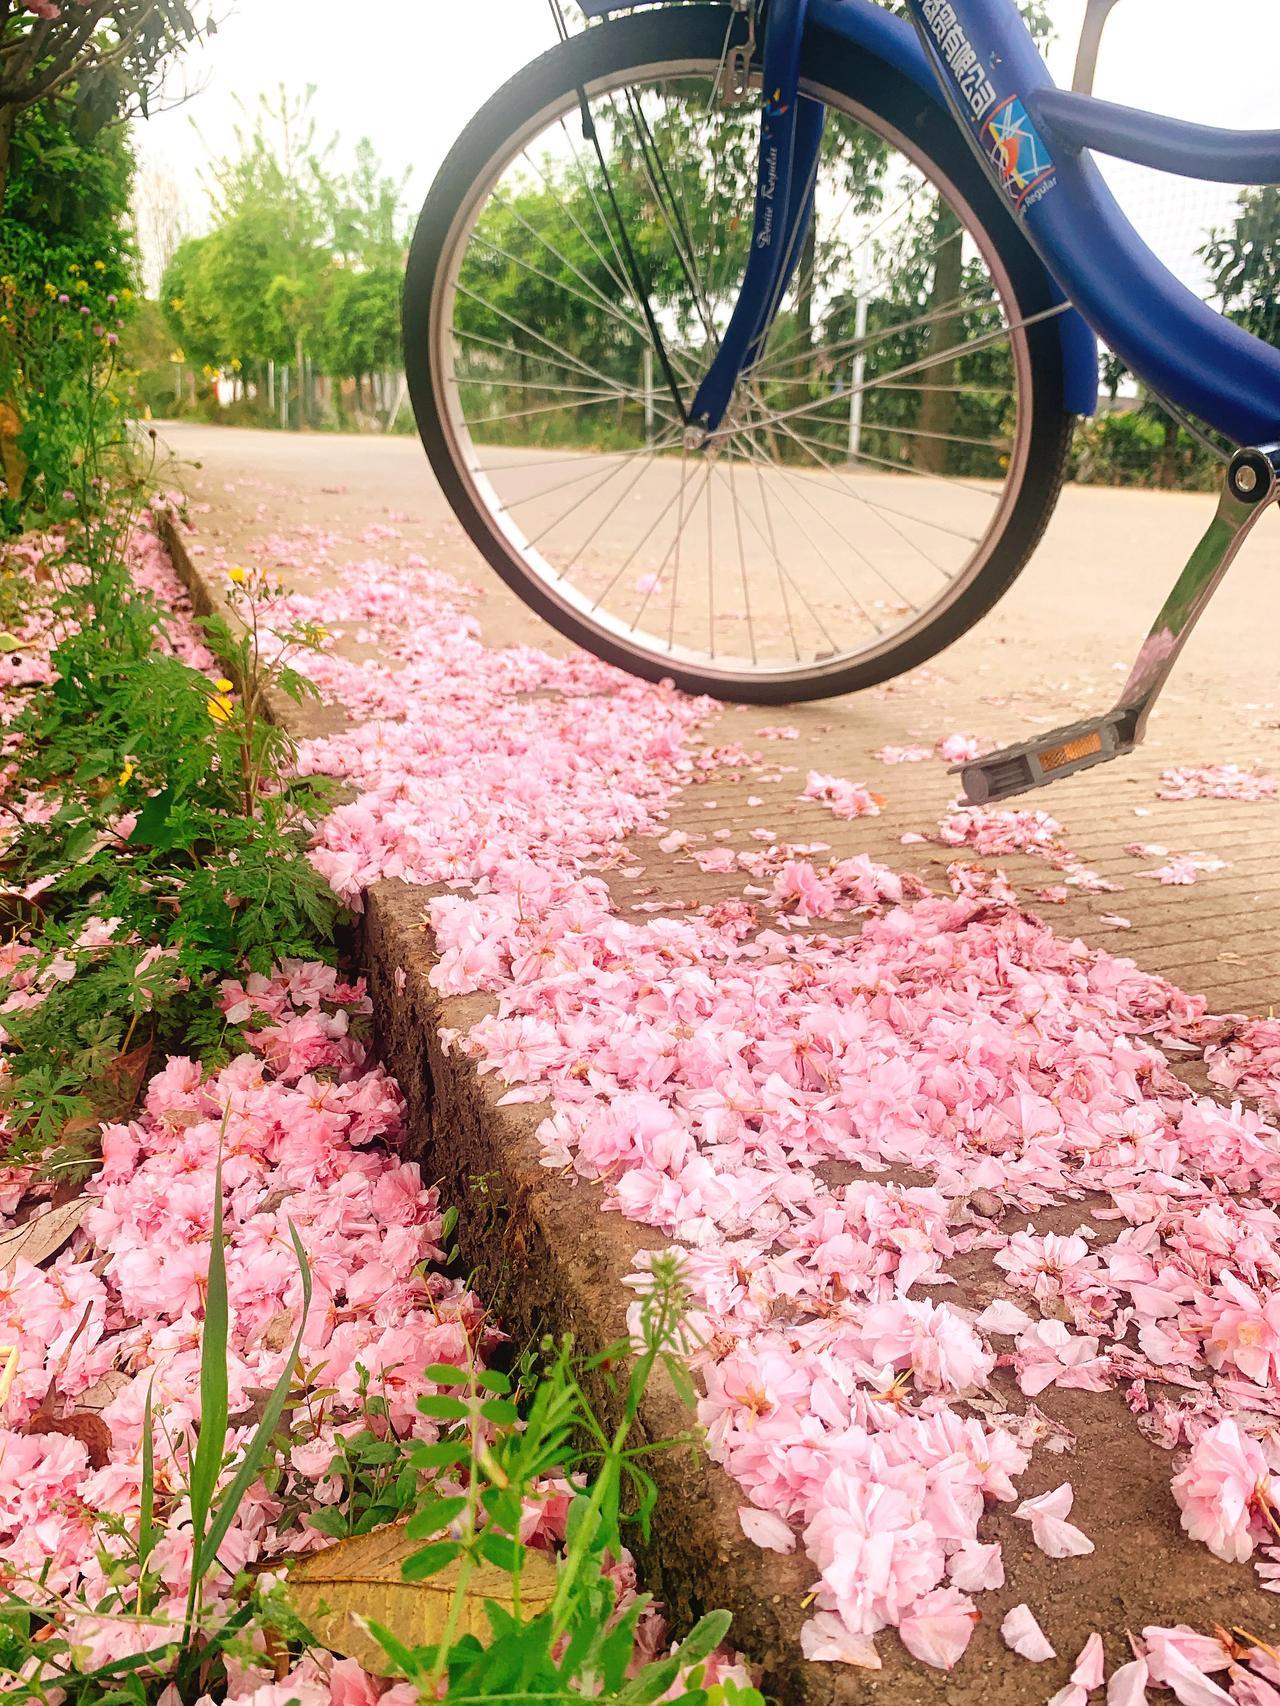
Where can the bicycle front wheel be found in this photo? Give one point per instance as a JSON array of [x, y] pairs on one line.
[[886, 466]]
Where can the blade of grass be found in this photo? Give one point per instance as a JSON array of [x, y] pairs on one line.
[[211, 1443], [147, 1495], [207, 1548]]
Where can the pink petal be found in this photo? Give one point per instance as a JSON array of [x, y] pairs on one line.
[[1023, 1635], [767, 1529], [937, 1628], [1128, 1685], [1056, 1503], [1003, 1316], [1091, 1664], [826, 1640], [1058, 1539], [1192, 1686], [975, 1568]]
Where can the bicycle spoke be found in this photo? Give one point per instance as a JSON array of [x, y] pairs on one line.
[[842, 542], [512, 504], [559, 358], [550, 188], [601, 274]]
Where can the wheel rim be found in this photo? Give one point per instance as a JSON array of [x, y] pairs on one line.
[[867, 468]]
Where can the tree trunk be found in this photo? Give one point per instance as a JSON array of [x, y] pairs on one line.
[[1167, 466], [938, 406], [300, 361]]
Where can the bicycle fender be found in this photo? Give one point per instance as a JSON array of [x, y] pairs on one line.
[[777, 213]]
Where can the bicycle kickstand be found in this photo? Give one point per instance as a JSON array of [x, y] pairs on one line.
[[1252, 484]]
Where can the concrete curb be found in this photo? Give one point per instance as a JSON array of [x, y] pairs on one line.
[[552, 1260]]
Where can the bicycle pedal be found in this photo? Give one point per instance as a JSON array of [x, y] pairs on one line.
[[1036, 763]]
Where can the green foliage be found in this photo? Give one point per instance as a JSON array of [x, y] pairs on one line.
[[104, 57], [513, 1456], [168, 848], [1142, 447], [1244, 263], [66, 273], [66, 200], [299, 256], [360, 332]]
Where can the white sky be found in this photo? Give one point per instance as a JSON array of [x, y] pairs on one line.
[[409, 74]]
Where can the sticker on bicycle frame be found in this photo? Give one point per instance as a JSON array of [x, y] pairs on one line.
[[1018, 151], [960, 57]]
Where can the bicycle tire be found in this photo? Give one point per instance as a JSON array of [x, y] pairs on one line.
[[697, 32]]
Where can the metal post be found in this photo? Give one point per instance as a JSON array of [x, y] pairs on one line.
[[648, 395], [858, 377], [271, 386], [284, 396]]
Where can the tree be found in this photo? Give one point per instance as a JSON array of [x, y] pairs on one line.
[[190, 307], [63, 246], [361, 330], [366, 211], [251, 289], [1244, 263], [102, 56], [301, 260], [66, 203]]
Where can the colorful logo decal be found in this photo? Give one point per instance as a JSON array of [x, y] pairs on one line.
[[1018, 150]]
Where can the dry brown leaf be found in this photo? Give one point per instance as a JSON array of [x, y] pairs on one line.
[[92, 1432], [278, 1331], [43, 1235], [104, 1391], [124, 1077], [13, 461], [329, 1590]]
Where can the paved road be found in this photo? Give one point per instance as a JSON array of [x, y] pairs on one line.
[[1055, 649]]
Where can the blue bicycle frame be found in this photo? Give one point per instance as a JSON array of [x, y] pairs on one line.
[[1033, 138]]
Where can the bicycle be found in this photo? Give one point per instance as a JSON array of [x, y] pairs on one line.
[[789, 453]]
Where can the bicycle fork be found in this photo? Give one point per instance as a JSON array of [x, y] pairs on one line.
[[1251, 486]]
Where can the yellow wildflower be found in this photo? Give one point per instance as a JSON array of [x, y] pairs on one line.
[[237, 575], [223, 685], [99, 266], [126, 295], [219, 707], [127, 772]]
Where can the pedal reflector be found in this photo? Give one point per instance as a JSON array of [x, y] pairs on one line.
[[1060, 752], [1054, 757]]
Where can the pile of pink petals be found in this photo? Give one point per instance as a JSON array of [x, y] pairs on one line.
[[1246, 1061], [841, 797], [707, 1068], [999, 833], [307, 1129], [1215, 782]]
